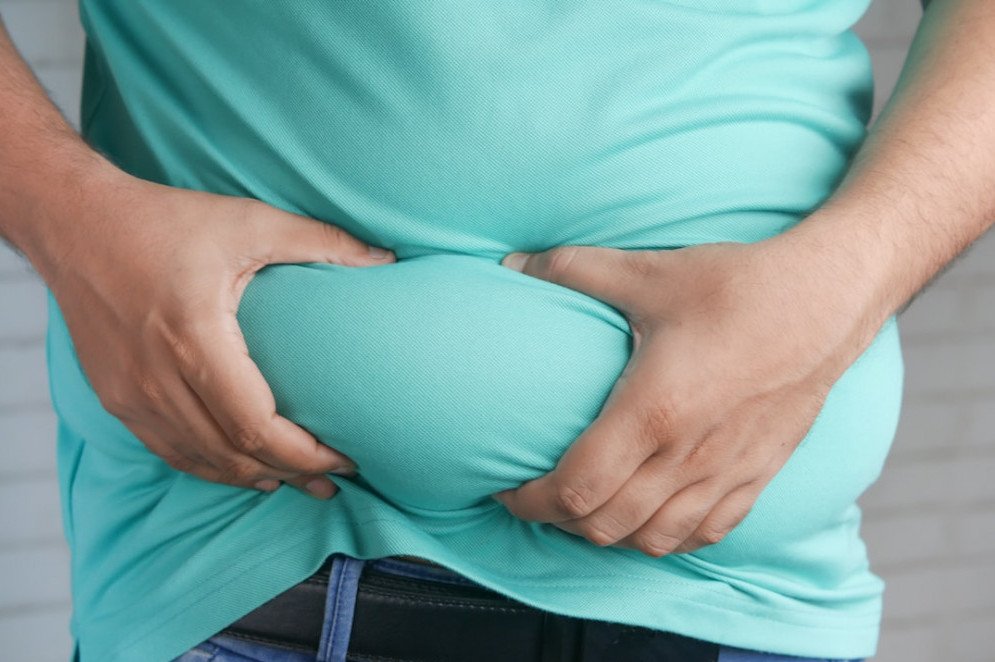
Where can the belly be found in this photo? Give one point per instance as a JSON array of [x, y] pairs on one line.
[[454, 138], [449, 377], [445, 377]]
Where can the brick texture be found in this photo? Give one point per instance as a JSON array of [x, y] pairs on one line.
[[929, 521], [35, 605]]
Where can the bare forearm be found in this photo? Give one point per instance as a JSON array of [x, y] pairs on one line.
[[46, 169], [922, 186]]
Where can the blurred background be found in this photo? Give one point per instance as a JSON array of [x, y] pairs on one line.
[[929, 522]]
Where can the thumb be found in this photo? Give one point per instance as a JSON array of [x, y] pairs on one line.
[[292, 238], [613, 275]]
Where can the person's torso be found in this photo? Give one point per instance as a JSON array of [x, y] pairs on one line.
[[452, 133]]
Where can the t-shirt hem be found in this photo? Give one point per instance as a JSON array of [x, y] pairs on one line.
[[208, 610]]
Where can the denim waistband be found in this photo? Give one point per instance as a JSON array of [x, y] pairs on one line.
[[416, 570], [345, 582]]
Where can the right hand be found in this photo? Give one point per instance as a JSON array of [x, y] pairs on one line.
[[149, 281]]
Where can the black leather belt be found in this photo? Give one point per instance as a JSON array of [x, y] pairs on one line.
[[404, 618]]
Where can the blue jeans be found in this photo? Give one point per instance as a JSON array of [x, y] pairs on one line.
[[343, 585]]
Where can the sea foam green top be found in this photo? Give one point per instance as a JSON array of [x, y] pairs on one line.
[[453, 133]]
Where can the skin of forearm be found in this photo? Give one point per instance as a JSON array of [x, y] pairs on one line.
[[921, 188], [48, 174]]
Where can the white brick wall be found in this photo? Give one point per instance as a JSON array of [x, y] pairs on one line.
[[929, 521], [34, 560]]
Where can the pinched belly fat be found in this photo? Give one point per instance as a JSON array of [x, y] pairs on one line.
[[449, 377], [445, 377]]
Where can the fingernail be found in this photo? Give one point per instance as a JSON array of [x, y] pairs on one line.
[[514, 261], [318, 488], [378, 253], [267, 485]]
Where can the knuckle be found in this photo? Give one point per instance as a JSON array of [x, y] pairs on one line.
[[109, 402], [656, 543], [712, 534], [658, 422], [248, 439], [697, 454], [573, 501], [180, 343], [599, 533], [199, 323], [150, 389], [116, 401], [558, 261], [753, 456], [598, 536], [178, 461], [334, 235], [239, 472]]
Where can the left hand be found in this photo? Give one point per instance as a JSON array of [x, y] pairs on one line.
[[735, 348]]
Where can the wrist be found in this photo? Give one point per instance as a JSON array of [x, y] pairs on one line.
[[849, 261], [54, 206]]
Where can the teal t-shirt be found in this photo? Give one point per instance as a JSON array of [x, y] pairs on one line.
[[454, 133]]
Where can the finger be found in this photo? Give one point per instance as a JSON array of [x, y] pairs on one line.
[[183, 437], [631, 427], [632, 506], [613, 275], [723, 518], [183, 460], [241, 470], [219, 370], [291, 238], [317, 486], [196, 432], [677, 519], [181, 432]]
